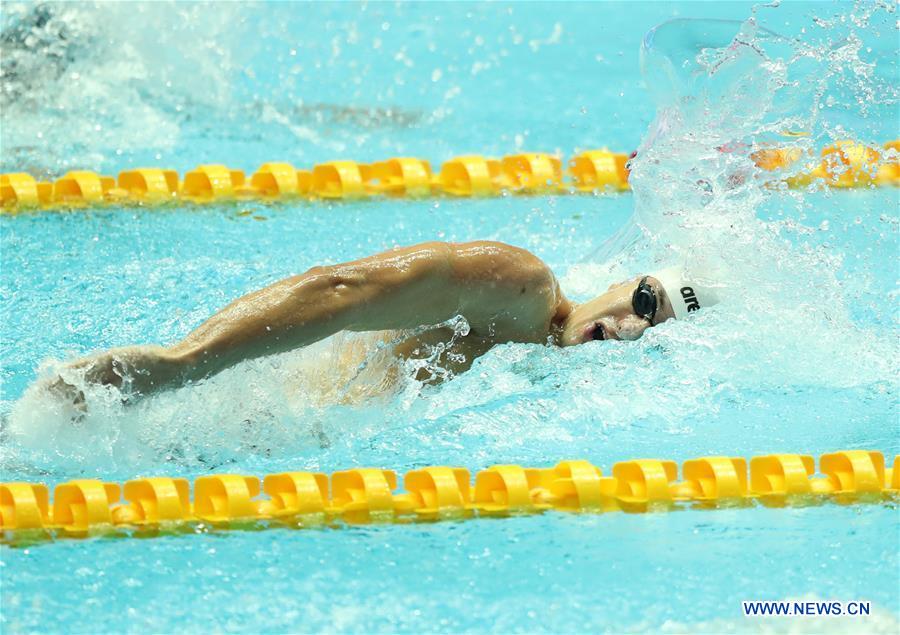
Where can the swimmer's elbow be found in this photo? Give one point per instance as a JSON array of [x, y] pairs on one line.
[[337, 294], [397, 289]]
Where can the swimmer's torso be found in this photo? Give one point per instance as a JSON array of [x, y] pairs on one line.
[[445, 349], [352, 368]]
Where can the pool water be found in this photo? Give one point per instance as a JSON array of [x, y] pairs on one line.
[[802, 360]]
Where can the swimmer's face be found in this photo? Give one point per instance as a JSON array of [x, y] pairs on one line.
[[618, 314]]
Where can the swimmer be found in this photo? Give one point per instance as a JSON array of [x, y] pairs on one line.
[[504, 293]]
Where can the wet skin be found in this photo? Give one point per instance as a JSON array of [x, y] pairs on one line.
[[506, 294]]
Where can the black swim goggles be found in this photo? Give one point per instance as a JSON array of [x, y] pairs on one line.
[[644, 301]]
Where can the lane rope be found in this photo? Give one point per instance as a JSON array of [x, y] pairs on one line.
[[845, 164], [88, 507]]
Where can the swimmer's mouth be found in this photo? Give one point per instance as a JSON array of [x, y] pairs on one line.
[[595, 331]]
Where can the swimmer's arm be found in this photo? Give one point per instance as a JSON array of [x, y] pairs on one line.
[[394, 290], [493, 285]]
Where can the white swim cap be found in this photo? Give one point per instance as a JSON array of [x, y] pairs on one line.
[[685, 294]]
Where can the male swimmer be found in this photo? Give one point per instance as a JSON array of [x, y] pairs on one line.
[[504, 293]]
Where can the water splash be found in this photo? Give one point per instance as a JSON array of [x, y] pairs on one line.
[[725, 91]]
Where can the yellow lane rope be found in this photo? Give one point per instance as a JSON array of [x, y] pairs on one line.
[[87, 507], [843, 164]]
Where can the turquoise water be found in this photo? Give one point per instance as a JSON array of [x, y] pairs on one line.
[[803, 361]]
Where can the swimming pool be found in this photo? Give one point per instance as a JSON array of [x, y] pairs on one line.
[[435, 81]]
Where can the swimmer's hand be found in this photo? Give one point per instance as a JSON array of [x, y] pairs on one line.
[[133, 370], [65, 392]]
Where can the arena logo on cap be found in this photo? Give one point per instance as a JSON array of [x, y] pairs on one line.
[[690, 299], [693, 292]]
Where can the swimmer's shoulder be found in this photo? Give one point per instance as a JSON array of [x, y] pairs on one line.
[[498, 261], [508, 286], [487, 273]]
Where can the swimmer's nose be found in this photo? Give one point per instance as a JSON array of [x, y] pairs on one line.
[[632, 327]]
